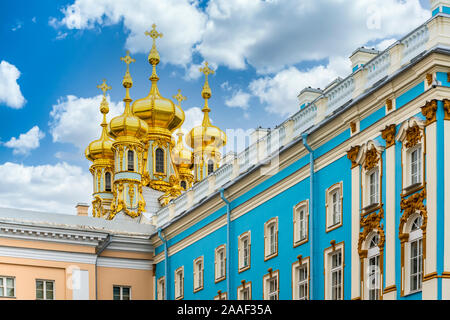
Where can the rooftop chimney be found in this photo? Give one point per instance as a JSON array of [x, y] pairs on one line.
[[361, 56], [308, 95], [438, 6], [82, 209]]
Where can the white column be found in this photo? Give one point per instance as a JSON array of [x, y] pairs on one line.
[[446, 281], [390, 224], [355, 293], [429, 290]]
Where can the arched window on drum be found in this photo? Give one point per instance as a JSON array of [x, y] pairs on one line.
[[159, 160], [108, 181]]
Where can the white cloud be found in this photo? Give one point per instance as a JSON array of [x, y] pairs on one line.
[[10, 93], [271, 35], [193, 118], [385, 44], [193, 72], [50, 188], [77, 120], [279, 93], [239, 99], [26, 141], [181, 22]]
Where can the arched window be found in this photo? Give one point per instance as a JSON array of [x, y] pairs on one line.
[[373, 271], [107, 181], [159, 160], [415, 255], [130, 160], [210, 166], [183, 184]]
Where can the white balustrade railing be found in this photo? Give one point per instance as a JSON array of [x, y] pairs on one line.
[[304, 119], [414, 43], [339, 94], [377, 68]]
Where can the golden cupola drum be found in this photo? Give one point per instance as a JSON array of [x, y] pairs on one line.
[[206, 139], [101, 153]]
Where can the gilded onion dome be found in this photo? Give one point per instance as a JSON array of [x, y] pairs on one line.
[[101, 149], [182, 157], [162, 115], [127, 125], [206, 136]]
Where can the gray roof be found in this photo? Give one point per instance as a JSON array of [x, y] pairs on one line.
[[73, 222]]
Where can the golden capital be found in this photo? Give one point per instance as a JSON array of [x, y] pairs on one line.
[[388, 134]]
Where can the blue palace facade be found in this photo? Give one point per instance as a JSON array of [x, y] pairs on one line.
[[346, 199]]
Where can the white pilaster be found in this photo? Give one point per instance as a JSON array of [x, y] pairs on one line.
[[355, 293], [429, 291], [390, 224], [446, 282]]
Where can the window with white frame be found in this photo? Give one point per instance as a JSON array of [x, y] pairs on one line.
[[271, 238], [179, 283], [7, 287], [198, 274], [412, 136], [301, 223], [244, 245], [373, 186], [244, 291], [271, 287], [415, 255], [300, 280], [373, 268], [121, 293], [161, 288], [45, 289], [220, 263], [334, 272], [334, 206], [415, 165]]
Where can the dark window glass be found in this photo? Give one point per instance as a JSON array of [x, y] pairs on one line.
[[130, 160], [159, 161]]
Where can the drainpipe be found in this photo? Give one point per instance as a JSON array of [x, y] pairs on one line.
[[228, 242], [98, 251], [166, 282], [311, 216]]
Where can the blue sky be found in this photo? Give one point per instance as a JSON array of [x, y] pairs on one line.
[[55, 53]]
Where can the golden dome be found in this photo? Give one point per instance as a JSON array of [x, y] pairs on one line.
[[206, 136], [161, 114], [127, 125], [181, 156], [101, 148]]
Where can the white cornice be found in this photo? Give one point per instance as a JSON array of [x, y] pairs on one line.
[[15, 252], [125, 263], [69, 236]]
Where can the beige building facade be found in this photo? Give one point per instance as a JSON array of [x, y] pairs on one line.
[[48, 256]]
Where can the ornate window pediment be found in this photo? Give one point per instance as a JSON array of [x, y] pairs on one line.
[[369, 157], [412, 136]]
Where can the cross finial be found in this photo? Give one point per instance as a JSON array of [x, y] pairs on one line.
[[127, 59], [179, 97], [206, 70], [153, 34], [104, 87]]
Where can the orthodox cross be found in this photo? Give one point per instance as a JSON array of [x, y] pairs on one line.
[[179, 97], [127, 59], [206, 70], [154, 34], [104, 87]]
